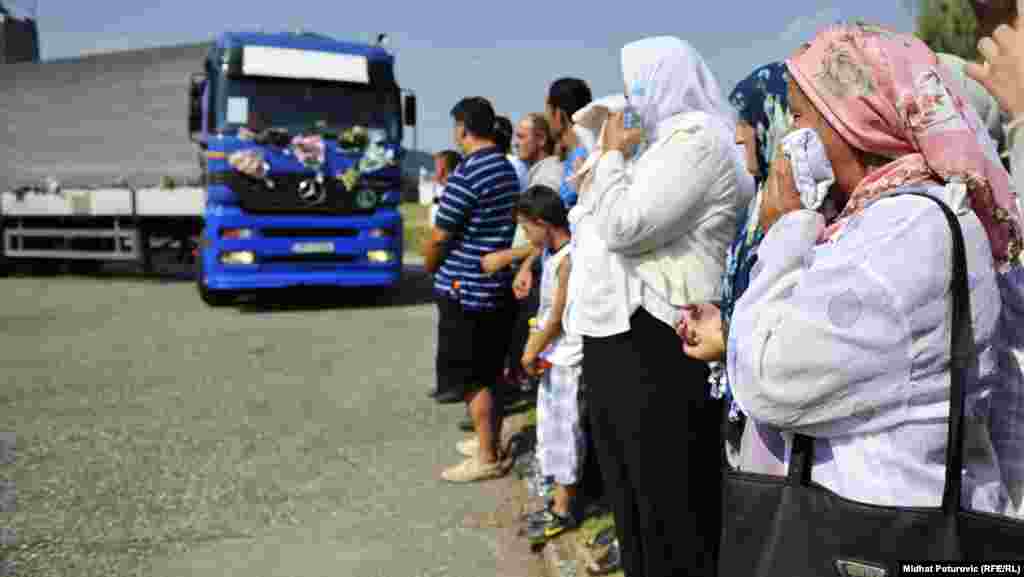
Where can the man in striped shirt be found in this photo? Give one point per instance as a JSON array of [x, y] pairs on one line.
[[476, 311]]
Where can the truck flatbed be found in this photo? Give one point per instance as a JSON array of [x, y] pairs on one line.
[[148, 202]]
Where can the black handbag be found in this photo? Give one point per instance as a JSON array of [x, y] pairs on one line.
[[790, 526]]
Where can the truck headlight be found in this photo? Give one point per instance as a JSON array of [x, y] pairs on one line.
[[380, 232], [238, 257], [379, 256]]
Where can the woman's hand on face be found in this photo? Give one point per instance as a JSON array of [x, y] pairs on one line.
[[701, 332], [617, 136], [780, 193], [1002, 74]]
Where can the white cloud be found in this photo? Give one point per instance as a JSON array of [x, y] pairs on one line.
[[803, 28]]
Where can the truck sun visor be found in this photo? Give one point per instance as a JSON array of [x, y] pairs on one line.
[[304, 64]]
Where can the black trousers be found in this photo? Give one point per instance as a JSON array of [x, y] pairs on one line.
[[657, 434]]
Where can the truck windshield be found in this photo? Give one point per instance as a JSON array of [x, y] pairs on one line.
[[296, 105]]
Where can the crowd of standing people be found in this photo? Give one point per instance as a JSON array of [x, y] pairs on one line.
[[690, 292]]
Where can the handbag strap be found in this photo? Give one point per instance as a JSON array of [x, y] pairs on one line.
[[961, 356]]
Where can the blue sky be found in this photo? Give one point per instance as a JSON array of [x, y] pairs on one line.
[[508, 52]]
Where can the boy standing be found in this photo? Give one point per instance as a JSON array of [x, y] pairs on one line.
[[557, 357]]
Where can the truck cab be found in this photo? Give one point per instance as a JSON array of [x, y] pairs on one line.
[[319, 124]]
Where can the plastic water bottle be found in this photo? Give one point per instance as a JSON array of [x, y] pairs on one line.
[[630, 119]]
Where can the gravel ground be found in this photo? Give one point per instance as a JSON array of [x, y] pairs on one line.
[[287, 436]]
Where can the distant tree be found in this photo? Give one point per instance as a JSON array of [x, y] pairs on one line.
[[948, 26]]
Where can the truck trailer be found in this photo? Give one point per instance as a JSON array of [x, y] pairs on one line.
[[286, 173]]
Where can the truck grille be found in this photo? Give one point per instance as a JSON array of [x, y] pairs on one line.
[[309, 258], [256, 196], [309, 232]]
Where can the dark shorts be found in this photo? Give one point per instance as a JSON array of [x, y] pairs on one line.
[[471, 346]]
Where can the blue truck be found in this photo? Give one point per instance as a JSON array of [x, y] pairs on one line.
[[300, 147]]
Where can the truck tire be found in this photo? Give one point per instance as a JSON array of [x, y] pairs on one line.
[[145, 252], [44, 266], [5, 263], [212, 297], [85, 267]]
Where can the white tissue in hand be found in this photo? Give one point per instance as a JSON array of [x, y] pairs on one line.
[[593, 115], [812, 171]]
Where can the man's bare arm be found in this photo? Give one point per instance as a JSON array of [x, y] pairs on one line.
[[433, 249]]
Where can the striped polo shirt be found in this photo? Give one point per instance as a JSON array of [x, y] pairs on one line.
[[476, 208]]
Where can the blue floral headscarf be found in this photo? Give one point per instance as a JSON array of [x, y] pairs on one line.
[[761, 101]]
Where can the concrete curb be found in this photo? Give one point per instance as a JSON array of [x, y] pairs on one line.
[[566, 556], [569, 557], [560, 562]]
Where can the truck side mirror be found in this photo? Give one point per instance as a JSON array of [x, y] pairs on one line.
[[195, 104], [410, 110]]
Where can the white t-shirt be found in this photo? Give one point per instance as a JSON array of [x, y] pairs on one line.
[[567, 349], [522, 171]]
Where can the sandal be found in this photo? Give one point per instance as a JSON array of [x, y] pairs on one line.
[[608, 563]]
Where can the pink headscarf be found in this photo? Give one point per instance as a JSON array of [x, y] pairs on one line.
[[887, 93]]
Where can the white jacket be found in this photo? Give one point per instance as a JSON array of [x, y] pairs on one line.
[[672, 222], [848, 342]]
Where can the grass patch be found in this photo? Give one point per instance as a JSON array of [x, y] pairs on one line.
[[531, 417], [416, 225]]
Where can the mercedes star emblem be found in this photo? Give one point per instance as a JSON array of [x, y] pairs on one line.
[[312, 192]]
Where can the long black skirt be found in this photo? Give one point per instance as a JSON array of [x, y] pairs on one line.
[[657, 435]]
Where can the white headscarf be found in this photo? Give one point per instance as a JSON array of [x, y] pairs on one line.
[[666, 76]]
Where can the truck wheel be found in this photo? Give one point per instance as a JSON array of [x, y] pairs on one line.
[[145, 251], [215, 298], [45, 266], [5, 263], [212, 297], [84, 267]]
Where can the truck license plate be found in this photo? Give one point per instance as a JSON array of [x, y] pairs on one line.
[[313, 247]]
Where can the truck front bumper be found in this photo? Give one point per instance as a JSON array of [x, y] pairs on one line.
[[278, 262], [240, 280]]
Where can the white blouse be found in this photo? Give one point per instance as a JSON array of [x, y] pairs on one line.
[[656, 234], [849, 342]]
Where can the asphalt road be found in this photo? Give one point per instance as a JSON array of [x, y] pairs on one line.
[[288, 437]]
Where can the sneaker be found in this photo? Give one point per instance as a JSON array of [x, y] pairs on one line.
[[472, 470], [468, 447], [549, 526], [539, 516]]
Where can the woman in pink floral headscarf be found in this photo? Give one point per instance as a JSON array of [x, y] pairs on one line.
[[843, 333]]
